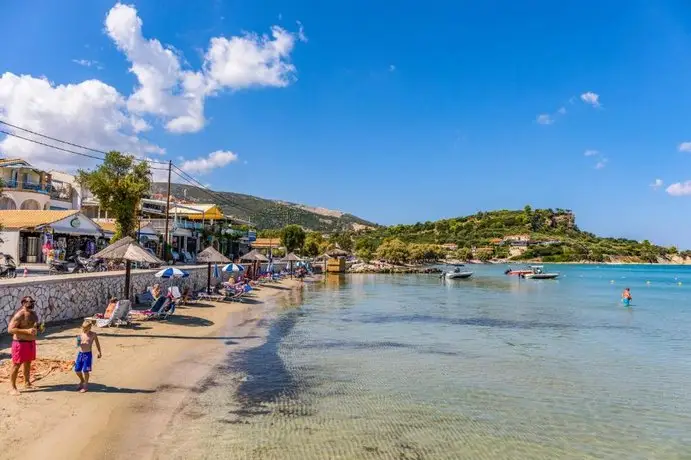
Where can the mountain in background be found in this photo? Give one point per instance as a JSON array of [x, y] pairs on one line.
[[268, 214]]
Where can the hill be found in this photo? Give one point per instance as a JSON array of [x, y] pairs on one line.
[[541, 234], [269, 214]]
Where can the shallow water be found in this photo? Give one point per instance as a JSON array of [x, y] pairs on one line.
[[409, 367]]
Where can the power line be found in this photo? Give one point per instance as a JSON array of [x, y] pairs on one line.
[[51, 146], [62, 149], [71, 143]]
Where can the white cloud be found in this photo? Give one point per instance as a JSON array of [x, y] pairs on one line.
[[545, 119], [601, 163], [657, 184], [591, 98], [214, 160], [685, 147], [176, 94], [562, 111], [164, 88], [680, 188], [88, 63], [90, 113], [590, 153], [392, 68], [250, 60]]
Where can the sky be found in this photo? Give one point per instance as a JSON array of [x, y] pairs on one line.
[[397, 114]]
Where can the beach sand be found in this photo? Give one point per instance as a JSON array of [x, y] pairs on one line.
[[143, 378]]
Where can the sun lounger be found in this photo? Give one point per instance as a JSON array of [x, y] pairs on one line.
[[118, 317], [161, 309]]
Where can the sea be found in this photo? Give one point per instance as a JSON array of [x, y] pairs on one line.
[[493, 367]]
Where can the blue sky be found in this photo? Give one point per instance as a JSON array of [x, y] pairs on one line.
[[397, 114]]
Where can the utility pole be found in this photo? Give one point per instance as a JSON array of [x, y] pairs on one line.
[[165, 234]]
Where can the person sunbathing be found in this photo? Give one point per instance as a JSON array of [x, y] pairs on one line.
[[156, 291], [110, 308]]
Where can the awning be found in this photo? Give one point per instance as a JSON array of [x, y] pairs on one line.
[[146, 236]]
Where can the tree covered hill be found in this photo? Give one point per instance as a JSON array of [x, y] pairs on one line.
[[553, 236], [268, 214]]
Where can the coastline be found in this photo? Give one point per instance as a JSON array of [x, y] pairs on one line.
[[145, 375]]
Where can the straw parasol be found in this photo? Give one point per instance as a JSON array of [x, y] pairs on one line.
[[255, 257], [291, 258], [129, 250], [211, 256]]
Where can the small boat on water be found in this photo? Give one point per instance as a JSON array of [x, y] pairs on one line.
[[458, 273], [518, 271], [539, 274]]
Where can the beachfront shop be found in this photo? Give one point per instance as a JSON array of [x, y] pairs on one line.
[[43, 235]]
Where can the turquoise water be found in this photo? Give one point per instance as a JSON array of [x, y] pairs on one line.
[[410, 367]]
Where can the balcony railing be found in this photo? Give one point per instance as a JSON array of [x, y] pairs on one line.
[[26, 185], [160, 224]]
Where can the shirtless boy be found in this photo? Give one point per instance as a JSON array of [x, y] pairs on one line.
[[23, 327]]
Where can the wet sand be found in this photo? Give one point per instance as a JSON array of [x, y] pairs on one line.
[[145, 375]]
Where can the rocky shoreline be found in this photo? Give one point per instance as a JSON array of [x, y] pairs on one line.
[[390, 268]]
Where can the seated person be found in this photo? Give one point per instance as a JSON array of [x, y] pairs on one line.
[[110, 308], [156, 291]]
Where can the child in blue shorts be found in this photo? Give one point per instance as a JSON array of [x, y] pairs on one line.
[[83, 363]]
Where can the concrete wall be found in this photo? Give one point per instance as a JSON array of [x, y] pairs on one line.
[[66, 297], [10, 244]]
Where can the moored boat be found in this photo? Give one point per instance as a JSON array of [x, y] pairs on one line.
[[457, 273], [537, 273]]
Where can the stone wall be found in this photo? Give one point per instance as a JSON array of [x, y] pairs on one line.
[[66, 297]]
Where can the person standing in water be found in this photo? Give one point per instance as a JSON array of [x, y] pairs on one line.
[[626, 296]]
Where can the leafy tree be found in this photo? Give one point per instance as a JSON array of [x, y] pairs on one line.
[[270, 233], [394, 251], [313, 241], [293, 237], [119, 183], [343, 240], [463, 254]]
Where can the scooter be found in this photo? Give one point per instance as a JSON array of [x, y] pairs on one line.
[[69, 266], [8, 269], [91, 265]]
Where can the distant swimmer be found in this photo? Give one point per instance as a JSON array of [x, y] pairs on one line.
[[626, 297]]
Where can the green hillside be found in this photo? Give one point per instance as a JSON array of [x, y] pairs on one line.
[[263, 213], [554, 237]]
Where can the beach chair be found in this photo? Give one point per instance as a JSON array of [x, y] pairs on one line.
[[119, 317], [174, 291], [161, 309]]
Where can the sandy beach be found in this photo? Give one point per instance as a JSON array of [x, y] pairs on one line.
[[146, 373]]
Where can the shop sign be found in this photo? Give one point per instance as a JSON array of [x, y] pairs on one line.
[[75, 223]]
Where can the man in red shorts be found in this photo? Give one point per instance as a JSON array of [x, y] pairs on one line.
[[23, 327]]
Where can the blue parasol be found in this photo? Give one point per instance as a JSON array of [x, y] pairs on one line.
[[172, 272], [233, 268]]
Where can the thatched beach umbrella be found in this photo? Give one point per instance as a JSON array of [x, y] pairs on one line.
[[129, 250], [211, 256], [255, 257], [291, 258]]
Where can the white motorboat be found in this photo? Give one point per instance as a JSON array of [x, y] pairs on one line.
[[539, 274], [457, 273]]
